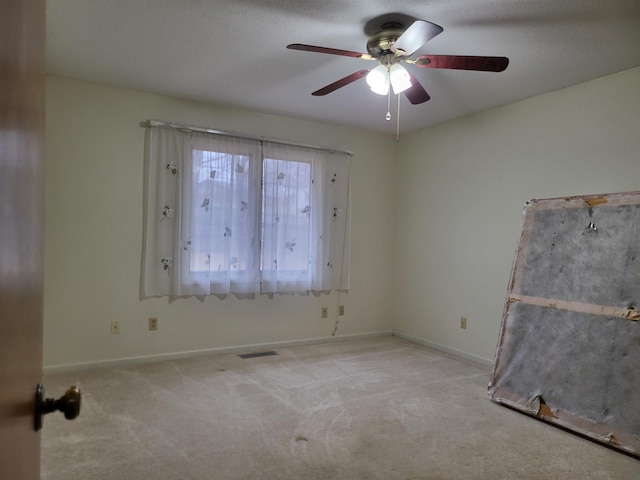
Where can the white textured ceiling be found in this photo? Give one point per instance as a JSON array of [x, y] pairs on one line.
[[233, 52]]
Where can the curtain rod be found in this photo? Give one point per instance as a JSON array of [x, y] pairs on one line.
[[195, 128]]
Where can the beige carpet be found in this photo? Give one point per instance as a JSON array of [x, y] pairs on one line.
[[381, 408]]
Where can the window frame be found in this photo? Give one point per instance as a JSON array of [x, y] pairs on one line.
[[258, 203]]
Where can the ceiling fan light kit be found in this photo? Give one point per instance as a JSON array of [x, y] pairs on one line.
[[394, 44], [381, 77]]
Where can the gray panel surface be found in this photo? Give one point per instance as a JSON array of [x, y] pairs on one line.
[[589, 255], [579, 363]]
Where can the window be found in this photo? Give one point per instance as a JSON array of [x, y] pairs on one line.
[[286, 213], [219, 186], [233, 215]]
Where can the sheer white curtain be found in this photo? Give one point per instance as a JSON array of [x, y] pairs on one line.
[[165, 152], [305, 209], [222, 216], [232, 215]]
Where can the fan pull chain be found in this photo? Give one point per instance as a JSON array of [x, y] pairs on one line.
[[388, 117], [398, 121]]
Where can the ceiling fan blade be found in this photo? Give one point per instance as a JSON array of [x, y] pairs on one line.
[[330, 51], [340, 83], [416, 93], [418, 33], [462, 62]]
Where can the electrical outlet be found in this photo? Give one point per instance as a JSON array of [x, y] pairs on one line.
[[325, 312], [341, 310], [463, 323], [115, 327], [153, 323]]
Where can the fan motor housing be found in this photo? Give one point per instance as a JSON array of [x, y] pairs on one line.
[[381, 43]]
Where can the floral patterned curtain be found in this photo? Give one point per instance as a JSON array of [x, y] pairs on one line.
[[232, 215]]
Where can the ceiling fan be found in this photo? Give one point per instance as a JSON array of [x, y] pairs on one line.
[[391, 46]]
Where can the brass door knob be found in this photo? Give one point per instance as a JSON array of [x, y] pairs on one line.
[[69, 404]]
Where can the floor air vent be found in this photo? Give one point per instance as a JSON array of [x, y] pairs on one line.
[[258, 354]]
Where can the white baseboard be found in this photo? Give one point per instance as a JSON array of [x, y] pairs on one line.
[[442, 348], [208, 351]]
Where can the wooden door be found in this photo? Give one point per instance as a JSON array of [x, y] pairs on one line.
[[22, 54]]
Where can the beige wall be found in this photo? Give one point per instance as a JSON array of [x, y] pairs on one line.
[[93, 233], [453, 226], [462, 186]]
